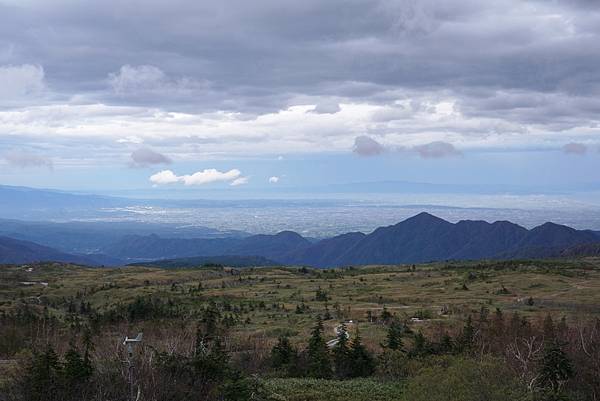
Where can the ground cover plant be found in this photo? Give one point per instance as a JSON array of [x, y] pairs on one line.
[[439, 331]]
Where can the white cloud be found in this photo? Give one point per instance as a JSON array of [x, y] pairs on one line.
[[164, 177], [239, 181], [131, 139], [211, 175], [207, 176], [273, 180], [20, 81], [202, 136]]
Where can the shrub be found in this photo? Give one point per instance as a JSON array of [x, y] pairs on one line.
[[466, 380]]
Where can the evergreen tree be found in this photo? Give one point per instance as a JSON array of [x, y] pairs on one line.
[[319, 364], [283, 354], [75, 370], [420, 345], [394, 336], [341, 354], [555, 369], [362, 361], [466, 339], [42, 376]]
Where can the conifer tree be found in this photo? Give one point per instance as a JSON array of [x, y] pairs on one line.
[[420, 346], [74, 368], [362, 361], [555, 369], [283, 353], [394, 336], [43, 376], [467, 337], [341, 353], [319, 364]]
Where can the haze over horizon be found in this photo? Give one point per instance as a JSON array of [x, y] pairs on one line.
[[238, 97]]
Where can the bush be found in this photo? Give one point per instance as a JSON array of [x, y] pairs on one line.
[[466, 380]]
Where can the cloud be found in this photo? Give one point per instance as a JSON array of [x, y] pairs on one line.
[[131, 139], [26, 159], [145, 157], [131, 81], [20, 81], [207, 176], [152, 77], [239, 181], [327, 107], [273, 180], [137, 79], [436, 150], [366, 146], [574, 148], [164, 177]]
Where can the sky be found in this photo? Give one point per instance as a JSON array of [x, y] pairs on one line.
[[107, 95]]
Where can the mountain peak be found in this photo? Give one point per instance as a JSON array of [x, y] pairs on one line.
[[549, 226], [425, 217]]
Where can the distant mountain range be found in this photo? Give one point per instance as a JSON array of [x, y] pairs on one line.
[[422, 238], [425, 238], [14, 251], [274, 247], [91, 237]]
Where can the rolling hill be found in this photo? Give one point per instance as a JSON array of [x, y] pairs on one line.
[[14, 251]]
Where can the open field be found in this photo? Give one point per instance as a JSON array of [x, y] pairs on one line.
[[269, 302], [51, 304]]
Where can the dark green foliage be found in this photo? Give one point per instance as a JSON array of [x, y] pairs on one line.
[[284, 356], [242, 388], [421, 346], [394, 336], [362, 361], [43, 376], [466, 380], [76, 369], [49, 378], [321, 295], [342, 361], [319, 365], [466, 340], [386, 316], [555, 369]]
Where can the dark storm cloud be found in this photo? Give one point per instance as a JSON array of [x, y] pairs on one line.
[[249, 55], [523, 63]]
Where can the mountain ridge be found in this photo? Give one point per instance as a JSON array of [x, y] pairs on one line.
[[418, 239]]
